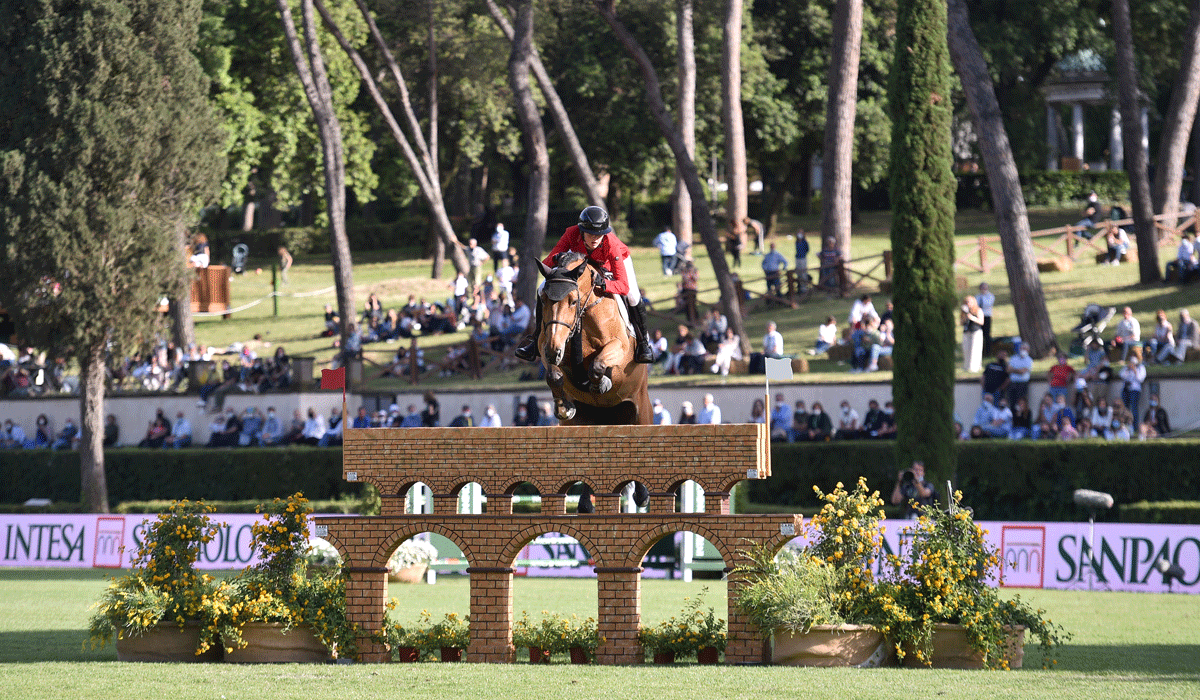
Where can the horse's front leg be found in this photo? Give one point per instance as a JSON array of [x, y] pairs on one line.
[[563, 408], [600, 373]]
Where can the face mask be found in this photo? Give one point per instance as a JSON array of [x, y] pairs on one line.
[[845, 410], [1116, 425], [1153, 403], [270, 414], [888, 411], [491, 412]]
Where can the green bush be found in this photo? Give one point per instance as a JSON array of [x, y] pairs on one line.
[[1061, 187], [1169, 512], [244, 474], [1000, 479]]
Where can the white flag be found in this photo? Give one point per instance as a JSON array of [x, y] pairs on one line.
[[779, 370]]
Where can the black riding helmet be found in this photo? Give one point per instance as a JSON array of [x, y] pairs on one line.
[[594, 220]]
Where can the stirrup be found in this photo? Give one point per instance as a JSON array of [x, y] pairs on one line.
[[642, 354]]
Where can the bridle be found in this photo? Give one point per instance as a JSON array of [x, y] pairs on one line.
[[581, 308]]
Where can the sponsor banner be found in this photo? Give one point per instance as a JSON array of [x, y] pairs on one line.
[[111, 541]]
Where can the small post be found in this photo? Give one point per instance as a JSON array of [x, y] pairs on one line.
[[275, 291]]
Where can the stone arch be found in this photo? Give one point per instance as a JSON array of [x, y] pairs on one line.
[[643, 544], [615, 485], [565, 484], [342, 551], [509, 485], [677, 483], [509, 554], [389, 541]]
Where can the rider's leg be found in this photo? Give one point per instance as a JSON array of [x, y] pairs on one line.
[[637, 314], [528, 349]]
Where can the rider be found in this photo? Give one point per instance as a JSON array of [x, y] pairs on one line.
[[590, 237]]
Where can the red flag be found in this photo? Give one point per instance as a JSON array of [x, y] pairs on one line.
[[333, 378]]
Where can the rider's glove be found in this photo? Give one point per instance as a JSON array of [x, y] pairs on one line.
[[600, 285]]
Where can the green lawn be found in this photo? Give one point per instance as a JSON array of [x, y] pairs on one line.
[[1126, 646], [394, 274]]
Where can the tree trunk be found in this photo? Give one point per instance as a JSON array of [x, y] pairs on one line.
[[310, 65], [534, 136], [839, 124], [422, 166], [183, 329], [93, 484], [1195, 162], [562, 121], [780, 192], [687, 167], [1177, 127], [439, 257], [1136, 160], [681, 213], [248, 216], [1012, 220], [731, 117]]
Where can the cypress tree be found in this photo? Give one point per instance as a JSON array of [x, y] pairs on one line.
[[107, 143], [922, 198]]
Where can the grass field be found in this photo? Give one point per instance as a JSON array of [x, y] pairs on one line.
[[1125, 646], [394, 274]]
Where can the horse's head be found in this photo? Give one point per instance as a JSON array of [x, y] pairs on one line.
[[564, 296]]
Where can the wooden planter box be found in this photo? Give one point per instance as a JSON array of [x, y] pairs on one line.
[[167, 642], [952, 650], [831, 645], [268, 643]]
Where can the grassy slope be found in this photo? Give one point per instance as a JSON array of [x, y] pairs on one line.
[[394, 274], [1126, 646]]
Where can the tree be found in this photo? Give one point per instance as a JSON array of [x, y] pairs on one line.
[[1012, 220], [685, 61], [538, 201], [731, 117], [1181, 115], [839, 124], [310, 66], [110, 141], [1136, 159], [708, 231], [922, 194]]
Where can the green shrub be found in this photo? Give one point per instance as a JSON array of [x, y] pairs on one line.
[[1060, 187], [1167, 512]]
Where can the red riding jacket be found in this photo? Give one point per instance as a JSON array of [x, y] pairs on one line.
[[610, 254]]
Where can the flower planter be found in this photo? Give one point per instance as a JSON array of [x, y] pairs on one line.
[[412, 574], [579, 655], [708, 655], [664, 657], [831, 645], [450, 654], [269, 643], [407, 655], [952, 650], [167, 642], [538, 655]]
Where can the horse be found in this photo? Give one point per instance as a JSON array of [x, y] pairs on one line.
[[587, 351]]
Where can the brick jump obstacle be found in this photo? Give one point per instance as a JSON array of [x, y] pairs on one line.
[[552, 459]]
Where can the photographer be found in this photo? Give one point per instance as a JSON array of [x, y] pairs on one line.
[[911, 487]]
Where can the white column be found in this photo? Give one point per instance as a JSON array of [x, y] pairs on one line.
[[1077, 130], [690, 496], [1116, 144], [1052, 147], [470, 499], [1145, 129]]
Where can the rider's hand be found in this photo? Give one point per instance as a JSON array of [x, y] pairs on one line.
[[600, 285]]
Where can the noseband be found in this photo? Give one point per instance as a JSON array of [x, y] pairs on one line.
[[580, 309]]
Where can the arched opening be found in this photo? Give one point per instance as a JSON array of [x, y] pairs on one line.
[[418, 499], [555, 597], [526, 498], [427, 581], [470, 498], [635, 497], [690, 589]]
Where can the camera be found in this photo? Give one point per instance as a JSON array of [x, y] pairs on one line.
[[907, 477]]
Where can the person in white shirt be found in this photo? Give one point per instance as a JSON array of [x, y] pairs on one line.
[[667, 246], [710, 413], [499, 246], [1186, 336], [826, 336], [314, 429], [847, 426], [861, 309], [13, 437], [506, 274], [986, 301], [181, 433], [491, 419], [772, 342], [661, 415], [1020, 367], [1129, 332]]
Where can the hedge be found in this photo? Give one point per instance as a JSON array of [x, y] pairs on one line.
[[1000, 479], [244, 474], [1173, 512]]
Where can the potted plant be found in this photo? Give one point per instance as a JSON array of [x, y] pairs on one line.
[[451, 634], [583, 638], [154, 613], [549, 636], [406, 645], [939, 606], [410, 561], [685, 635], [281, 610]]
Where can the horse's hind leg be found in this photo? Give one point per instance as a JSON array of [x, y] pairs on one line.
[[600, 379]]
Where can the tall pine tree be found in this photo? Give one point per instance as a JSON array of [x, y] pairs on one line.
[[108, 142], [922, 192]]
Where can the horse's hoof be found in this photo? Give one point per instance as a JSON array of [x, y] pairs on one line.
[[603, 386], [565, 413]]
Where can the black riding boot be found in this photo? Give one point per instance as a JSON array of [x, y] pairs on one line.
[[528, 349], [642, 354]]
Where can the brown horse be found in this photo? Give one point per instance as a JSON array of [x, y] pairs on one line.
[[587, 351]]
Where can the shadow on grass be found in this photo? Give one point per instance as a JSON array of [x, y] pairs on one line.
[[1141, 659], [40, 646]]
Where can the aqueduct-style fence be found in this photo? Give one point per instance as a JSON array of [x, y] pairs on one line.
[[552, 459]]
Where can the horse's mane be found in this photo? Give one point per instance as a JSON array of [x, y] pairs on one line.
[[567, 257]]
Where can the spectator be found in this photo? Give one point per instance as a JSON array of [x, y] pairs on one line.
[[710, 413], [873, 420], [847, 427], [661, 348], [13, 437], [431, 414], [985, 415], [689, 286], [412, 419], [730, 349], [861, 309], [491, 419], [1129, 332], [995, 378], [687, 415], [333, 434], [1060, 377], [830, 257], [506, 276], [661, 416], [1019, 373], [285, 263], [1187, 337], [1062, 410], [1185, 259], [887, 430], [225, 431], [181, 433], [499, 245], [1133, 375], [714, 330], [112, 432], [755, 227], [972, 339], [773, 265], [272, 431], [1156, 415], [521, 417], [1118, 244], [546, 414], [333, 323], [67, 437], [772, 342], [799, 429], [682, 341], [1102, 416], [913, 491], [361, 419], [464, 419], [1022, 421], [666, 244], [781, 418], [987, 301], [758, 412], [827, 336], [200, 254], [314, 429], [1163, 342], [1002, 421], [820, 425], [42, 435], [883, 343], [1084, 429], [252, 424], [1064, 430], [1146, 429], [801, 258]]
